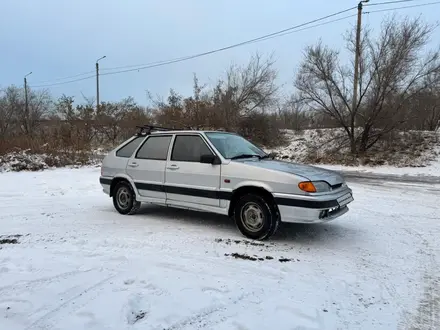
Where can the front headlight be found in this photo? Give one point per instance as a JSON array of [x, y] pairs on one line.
[[321, 186], [314, 186]]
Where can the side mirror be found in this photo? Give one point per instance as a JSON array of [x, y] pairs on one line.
[[209, 159]]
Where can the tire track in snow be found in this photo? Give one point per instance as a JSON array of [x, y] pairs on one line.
[[32, 284], [140, 249], [428, 311], [43, 322], [427, 314], [217, 313]]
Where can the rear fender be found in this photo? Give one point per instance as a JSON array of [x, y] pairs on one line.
[[129, 179]]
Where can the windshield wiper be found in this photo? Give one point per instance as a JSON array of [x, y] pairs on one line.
[[245, 156], [271, 156]]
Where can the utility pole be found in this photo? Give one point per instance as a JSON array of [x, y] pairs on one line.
[[357, 56], [97, 82], [26, 103]]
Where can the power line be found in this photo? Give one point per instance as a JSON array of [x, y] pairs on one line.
[[221, 49], [185, 58], [313, 26], [62, 83], [138, 65], [293, 29], [387, 3], [404, 7], [265, 37], [65, 78]]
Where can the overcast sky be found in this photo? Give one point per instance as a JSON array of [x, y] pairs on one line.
[[59, 38]]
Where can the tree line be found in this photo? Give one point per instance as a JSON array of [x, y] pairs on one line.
[[399, 89]]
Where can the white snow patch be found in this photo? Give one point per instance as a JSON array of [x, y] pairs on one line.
[[433, 169], [24, 160], [320, 146], [79, 264]]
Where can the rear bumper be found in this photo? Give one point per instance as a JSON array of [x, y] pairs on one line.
[[313, 209], [105, 183]]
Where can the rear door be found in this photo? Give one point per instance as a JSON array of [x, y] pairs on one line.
[[188, 180], [114, 165], [147, 167]]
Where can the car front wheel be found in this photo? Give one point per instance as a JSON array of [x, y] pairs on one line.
[[124, 199], [255, 217]]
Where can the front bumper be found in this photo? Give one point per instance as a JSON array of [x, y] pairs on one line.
[[313, 208]]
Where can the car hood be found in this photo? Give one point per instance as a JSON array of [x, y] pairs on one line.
[[309, 172]]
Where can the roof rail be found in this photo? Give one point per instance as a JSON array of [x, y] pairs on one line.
[[147, 129]]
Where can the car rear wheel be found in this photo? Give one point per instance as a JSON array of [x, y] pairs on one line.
[[124, 199], [255, 217]]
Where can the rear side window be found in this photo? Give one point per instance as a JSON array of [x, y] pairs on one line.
[[156, 147], [189, 148], [127, 150]]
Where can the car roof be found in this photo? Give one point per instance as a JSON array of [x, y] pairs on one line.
[[186, 132]]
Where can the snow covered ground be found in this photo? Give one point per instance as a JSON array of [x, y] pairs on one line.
[[407, 154], [80, 265], [431, 170]]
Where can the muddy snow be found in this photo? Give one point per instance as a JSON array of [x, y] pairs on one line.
[[69, 261]]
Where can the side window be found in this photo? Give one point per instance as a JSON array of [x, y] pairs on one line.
[[127, 150], [189, 148], [156, 147]]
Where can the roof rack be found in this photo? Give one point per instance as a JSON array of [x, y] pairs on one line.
[[147, 129]]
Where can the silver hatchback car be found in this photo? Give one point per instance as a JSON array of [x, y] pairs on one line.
[[220, 172]]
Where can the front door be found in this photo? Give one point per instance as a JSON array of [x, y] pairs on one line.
[[147, 167], [188, 180]]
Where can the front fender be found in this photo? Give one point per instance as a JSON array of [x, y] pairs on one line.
[[250, 183]]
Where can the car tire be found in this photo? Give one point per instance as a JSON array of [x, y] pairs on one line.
[[124, 199], [255, 217]]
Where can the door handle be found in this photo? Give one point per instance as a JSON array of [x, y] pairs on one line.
[[133, 164], [173, 167]]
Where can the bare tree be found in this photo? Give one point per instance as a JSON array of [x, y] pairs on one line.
[[64, 108], [114, 118], [393, 69], [246, 89], [242, 101], [197, 107], [294, 114], [169, 113], [253, 85], [426, 104], [10, 104], [39, 108], [424, 108]]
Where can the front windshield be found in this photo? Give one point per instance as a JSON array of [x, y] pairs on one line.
[[232, 145]]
